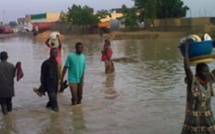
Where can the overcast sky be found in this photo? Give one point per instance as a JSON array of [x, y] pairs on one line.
[[12, 9]]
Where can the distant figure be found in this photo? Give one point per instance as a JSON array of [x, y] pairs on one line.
[[7, 75], [199, 117], [49, 80], [75, 63], [106, 57], [36, 30]]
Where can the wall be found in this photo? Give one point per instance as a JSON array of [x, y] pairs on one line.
[[67, 28], [52, 17], [190, 25], [45, 17]]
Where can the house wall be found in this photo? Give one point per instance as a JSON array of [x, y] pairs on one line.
[[189, 25], [45, 17], [52, 17]]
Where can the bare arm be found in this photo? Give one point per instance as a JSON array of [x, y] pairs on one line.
[[15, 69], [59, 41], [188, 71], [213, 72], [63, 74], [107, 56], [47, 42], [82, 78]]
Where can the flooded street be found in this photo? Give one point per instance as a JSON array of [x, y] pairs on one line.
[[145, 95]]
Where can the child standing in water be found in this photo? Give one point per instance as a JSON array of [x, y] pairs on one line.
[[106, 57]]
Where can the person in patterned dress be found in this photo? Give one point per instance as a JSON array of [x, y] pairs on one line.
[[198, 116]]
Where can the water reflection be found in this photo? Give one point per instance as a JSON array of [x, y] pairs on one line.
[[53, 125], [78, 121], [7, 125], [109, 87], [144, 95]]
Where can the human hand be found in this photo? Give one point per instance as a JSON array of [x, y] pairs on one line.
[[102, 51], [18, 63], [61, 81]]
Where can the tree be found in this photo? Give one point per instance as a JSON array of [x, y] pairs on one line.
[[103, 14], [151, 9], [63, 17], [81, 16], [171, 9], [130, 17], [12, 23]]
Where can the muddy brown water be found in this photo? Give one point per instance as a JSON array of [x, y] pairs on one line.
[[145, 95]]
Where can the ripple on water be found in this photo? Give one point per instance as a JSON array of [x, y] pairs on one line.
[[144, 95]]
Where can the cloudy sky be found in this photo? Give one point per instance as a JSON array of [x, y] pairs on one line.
[[12, 9]]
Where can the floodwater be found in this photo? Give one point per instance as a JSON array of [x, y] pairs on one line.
[[145, 95]]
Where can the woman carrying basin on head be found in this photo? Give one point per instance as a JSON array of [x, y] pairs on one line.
[[198, 116]]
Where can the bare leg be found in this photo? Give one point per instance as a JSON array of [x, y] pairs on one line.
[[73, 89], [80, 92]]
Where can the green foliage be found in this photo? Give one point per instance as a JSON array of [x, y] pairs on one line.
[[130, 17], [13, 23], [103, 14], [171, 9], [151, 9], [63, 17], [80, 16]]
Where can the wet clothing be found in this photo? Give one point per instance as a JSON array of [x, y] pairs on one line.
[[6, 104], [76, 64], [7, 74], [104, 56], [59, 54], [49, 79], [199, 116], [49, 74], [77, 91], [19, 72], [109, 66]]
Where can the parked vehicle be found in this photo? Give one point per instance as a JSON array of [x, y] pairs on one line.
[[5, 29]]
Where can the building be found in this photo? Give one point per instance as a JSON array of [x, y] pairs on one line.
[[38, 22], [107, 22], [45, 17]]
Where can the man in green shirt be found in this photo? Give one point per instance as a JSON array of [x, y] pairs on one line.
[[75, 63]]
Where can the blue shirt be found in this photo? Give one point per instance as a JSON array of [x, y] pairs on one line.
[[76, 65]]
